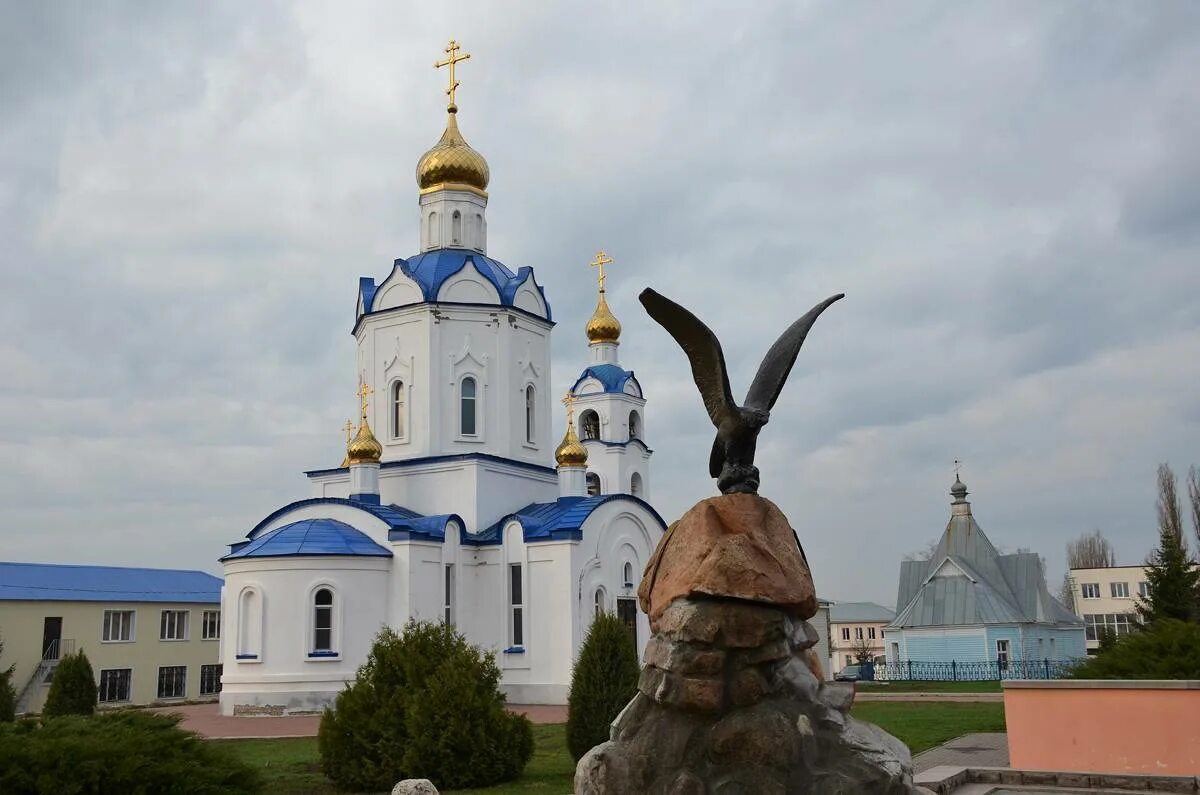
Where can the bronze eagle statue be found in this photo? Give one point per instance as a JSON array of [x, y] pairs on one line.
[[732, 459]]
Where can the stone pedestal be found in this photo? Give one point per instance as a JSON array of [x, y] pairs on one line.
[[731, 699]]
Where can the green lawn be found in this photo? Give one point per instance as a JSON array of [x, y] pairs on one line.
[[292, 765], [918, 686]]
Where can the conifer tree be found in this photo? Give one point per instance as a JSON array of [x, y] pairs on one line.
[[1173, 578], [73, 688], [604, 680], [8, 695]]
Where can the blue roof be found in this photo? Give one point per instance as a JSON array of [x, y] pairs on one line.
[[309, 537], [560, 520], [431, 270], [611, 376], [54, 582]]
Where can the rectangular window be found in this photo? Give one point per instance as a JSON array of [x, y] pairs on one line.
[[1144, 589], [172, 681], [114, 685], [858, 633], [173, 625], [1113, 623], [1120, 590], [211, 629], [871, 633], [845, 633], [849, 659], [1002, 654], [1091, 590], [517, 603], [118, 626], [448, 599], [210, 680]]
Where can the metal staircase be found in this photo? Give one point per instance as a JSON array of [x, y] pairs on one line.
[[43, 672]]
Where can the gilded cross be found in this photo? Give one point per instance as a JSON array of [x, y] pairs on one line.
[[599, 262], [349, 429], [452, 57], [569, 401], [364, 392]]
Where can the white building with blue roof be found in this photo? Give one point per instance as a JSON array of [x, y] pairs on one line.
[[447, 506], [970, 612]]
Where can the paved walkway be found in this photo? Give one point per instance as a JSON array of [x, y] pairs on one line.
[[971, 750], [994, 698], [207, 721]]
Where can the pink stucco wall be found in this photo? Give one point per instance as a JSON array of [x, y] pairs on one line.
[[1104, 727]]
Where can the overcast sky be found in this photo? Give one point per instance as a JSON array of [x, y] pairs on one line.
[[1009, 194]]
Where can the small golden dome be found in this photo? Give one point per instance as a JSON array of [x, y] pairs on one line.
[[452, 164], [364, 448], [603, 326], [570, 452]]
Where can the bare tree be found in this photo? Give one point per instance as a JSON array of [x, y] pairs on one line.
[[1170, 513], [1090, 551], [925, 552], [1066, 592], [862, 651], [1193, 489]]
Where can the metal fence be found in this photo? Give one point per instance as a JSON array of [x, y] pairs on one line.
[[990, 670]]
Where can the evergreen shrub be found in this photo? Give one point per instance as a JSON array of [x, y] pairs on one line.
[[1167, 649], [604, 680], [425, 704], [8, 694], [128, 752], [73, 688]]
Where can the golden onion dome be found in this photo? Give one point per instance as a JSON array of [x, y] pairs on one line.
[[364, 448], [451, 164], [570, 453], [603, 325]]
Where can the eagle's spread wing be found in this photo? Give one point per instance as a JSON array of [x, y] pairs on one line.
[[776, 365], [702, 349]]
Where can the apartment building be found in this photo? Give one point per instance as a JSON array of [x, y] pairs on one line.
[[1106, 599], [856, 627], [151, 635]]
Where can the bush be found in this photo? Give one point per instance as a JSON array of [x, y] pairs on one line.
[[1169, 649], [73, 688], [117, 752], [603, 682], [8, 694], [425, 704]]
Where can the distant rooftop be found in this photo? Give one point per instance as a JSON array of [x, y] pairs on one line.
[[860, 613], [63, 583]]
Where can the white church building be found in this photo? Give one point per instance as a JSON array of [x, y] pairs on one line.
[[446, 507]]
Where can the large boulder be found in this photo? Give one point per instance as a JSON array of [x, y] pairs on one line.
[[414, 786]]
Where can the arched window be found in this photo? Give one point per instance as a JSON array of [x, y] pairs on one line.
[[635, 484], [529, 412], [593, 484], [432, 238], [635, 426], [456, 227], [467, 413], [397, 409], [478, 231], [249, 639], [599, 601], [628, 572], [589, 425], [322, 634]]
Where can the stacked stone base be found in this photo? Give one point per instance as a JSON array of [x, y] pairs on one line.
[[728, 704]]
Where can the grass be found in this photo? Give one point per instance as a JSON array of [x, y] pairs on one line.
[[919, 686], [292, 766]]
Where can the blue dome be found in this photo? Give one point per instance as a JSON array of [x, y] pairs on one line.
[[612, 377], [431, 269], [309, 537]]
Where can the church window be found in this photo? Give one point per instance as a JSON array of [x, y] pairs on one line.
[[599, 601], [432, 237], [635, 484], [635, 430], [589, 425], [448, 599], [628, 572], [516, 602], [322, 621], [593, 484], [478, 231], [456, 228], [529, 412], [397, 409], [467, 418], [249, 624]]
